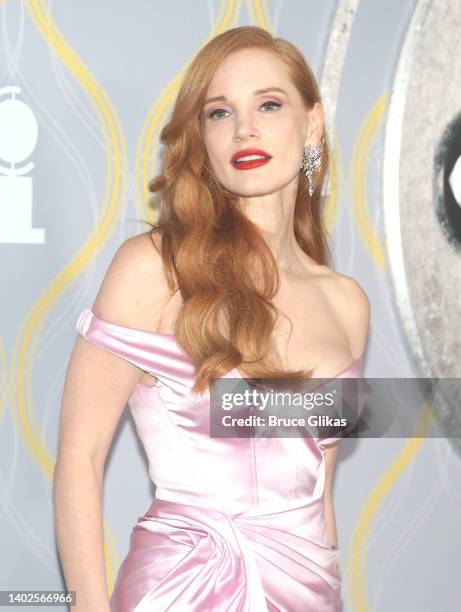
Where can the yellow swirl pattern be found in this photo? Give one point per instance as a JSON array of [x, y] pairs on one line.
[[356, 560], [116, 170], [259, 15], [4, 388], [108, 218], [358, 180], [336, 184]]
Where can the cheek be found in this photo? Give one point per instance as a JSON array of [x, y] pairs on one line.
[[214, 145], [295, 136], [294, 145]]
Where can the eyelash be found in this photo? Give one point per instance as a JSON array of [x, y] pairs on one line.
[[213, 113]]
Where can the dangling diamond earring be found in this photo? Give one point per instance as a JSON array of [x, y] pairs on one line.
[[312, 162], [210, 181]]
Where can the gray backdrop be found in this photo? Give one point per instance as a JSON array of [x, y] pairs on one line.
[[85, 89]]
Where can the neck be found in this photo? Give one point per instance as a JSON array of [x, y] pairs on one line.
[[273, 214]]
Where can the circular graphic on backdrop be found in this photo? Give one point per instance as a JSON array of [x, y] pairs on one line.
[[422, 187]]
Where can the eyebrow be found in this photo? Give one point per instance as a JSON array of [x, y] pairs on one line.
[[257, 92]]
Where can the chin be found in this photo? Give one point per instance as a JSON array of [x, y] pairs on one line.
[[255, 189], [252, 193]]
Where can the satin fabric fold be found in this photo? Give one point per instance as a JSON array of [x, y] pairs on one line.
[[185, 557], [156, 353]]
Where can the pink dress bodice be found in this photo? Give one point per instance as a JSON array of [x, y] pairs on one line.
[[237, 524]]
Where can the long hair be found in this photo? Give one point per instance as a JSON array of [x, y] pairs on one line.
[[212, 253]]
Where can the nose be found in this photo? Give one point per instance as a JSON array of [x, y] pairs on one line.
[[245, 129]]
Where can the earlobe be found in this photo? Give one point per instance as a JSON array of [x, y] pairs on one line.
[[315, 125]]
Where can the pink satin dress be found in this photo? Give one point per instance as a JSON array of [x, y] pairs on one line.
[[237, 524]]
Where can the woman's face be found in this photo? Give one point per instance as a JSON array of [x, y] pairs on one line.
[[273, 122]]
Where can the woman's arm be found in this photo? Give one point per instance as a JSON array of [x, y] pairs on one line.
[[96, 389], [78, 518]]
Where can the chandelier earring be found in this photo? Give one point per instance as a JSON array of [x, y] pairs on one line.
[[312, 162], [210, 181]]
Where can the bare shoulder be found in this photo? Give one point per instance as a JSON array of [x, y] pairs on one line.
[[134, 289], [350, 294], [351, 306]]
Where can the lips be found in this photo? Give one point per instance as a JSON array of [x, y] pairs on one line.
[[250, 163], [246, 152]]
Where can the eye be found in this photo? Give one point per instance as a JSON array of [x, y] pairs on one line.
[[276, 104], [216, 114], [212, 115]]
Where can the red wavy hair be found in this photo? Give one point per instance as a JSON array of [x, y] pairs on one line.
[[210, 249]]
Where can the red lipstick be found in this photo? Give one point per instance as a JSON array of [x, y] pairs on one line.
[[258, 158]]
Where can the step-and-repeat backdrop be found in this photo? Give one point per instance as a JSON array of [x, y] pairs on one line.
[[85, 89]]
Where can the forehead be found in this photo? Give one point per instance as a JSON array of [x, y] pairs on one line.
[[252, 69]]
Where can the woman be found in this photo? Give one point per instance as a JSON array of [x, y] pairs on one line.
[[232, 281]]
